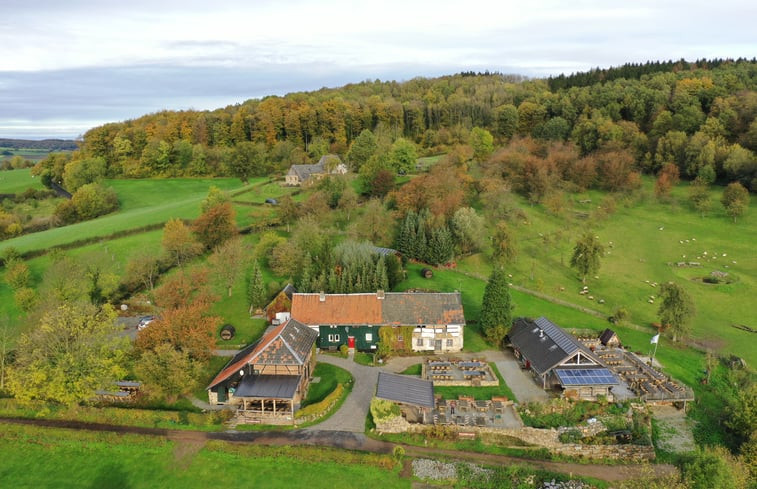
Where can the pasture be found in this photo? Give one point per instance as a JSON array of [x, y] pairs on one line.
[[15, 181], [57, 458], [645, 240]]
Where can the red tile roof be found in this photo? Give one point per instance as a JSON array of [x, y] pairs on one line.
[[343, 309], [397, 308]]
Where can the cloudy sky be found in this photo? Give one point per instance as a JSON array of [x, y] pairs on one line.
[[68, 66]]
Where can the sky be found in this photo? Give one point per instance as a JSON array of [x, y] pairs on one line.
[[68, 66]]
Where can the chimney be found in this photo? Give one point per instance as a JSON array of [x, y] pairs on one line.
[[541, 333], [380, 294], [322, 297]]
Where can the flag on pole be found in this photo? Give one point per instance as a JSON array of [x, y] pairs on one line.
[[655, 339]]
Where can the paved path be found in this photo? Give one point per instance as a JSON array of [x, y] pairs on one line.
[[351, 416], [519, 381]]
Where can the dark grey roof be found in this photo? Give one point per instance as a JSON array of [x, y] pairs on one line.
[[289, 290], [543, 343], [585, 376], [384, 251], [606, 336], [268, 386], [427, 308], [304, 172], [404, 389]]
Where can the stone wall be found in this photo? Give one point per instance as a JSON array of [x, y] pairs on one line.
[[547, 438]]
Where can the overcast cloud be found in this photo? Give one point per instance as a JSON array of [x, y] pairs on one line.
[[68, 66]]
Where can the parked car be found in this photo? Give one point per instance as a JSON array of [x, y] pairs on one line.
[[144, 321], [272, 201]]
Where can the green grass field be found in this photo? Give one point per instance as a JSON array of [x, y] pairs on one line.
[[143, 202], [642, 238], [15, 181], [55, 458]]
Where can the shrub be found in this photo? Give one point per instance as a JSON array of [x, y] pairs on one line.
[[383, 410], [344, 350], [571, 436], [321, 408]]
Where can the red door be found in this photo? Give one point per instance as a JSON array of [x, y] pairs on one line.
[[350, 342]]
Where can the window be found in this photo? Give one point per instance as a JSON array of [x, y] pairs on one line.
[[333, 338], [449, 343], [368, 336], [420, 342]]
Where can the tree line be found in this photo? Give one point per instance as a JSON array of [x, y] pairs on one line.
[[694, 115]]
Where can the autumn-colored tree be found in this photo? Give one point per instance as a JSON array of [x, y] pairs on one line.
[[216, 225], [17, 274], [189, 328], [380, 184], [482, 143], [215, 197], [504, 249], [226, 263], [668, 178], [178, 242], [348, 201], [71, 353]]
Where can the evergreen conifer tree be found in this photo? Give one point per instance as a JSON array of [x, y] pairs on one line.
[[496, 310]]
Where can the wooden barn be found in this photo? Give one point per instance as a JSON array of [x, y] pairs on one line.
[[268, 380]]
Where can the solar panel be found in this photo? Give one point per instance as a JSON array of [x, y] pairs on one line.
[[595, 376]]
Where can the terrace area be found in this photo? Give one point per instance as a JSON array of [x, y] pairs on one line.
[[457, 372]]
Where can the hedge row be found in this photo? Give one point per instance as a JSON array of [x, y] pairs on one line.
[[321, 408]]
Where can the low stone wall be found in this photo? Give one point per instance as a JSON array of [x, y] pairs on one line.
[[547, 438], [636, 453], [466, 383]]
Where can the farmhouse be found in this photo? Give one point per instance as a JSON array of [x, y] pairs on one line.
[[420, 321], [327, 165], [558, 360], [268, 379]]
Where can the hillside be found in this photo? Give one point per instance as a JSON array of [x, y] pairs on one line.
[[698, 116]]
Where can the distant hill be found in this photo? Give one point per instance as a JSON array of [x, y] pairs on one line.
[[45, 144]]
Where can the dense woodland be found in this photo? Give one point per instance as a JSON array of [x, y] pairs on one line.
[[699, 117]]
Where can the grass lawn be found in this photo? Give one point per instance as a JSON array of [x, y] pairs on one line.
[[330, 376], [15, 181], [452, 392], [54, 458], [413, 369]]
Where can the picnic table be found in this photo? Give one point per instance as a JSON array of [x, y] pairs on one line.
[[470, 365]]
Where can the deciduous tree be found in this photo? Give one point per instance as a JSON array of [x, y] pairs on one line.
[[735, 200], [226, 263], [586, 255], [178, 242], [504, 249], [71, 353], [676, 309], [216, 225], [167, 373]]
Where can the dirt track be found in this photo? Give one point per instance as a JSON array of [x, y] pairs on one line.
[[352, 441]]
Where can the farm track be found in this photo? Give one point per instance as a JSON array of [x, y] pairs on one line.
[[352, 441]]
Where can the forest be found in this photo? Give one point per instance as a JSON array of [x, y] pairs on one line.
[[698, 119]]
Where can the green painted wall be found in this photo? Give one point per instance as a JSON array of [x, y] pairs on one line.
[[327, 336]]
